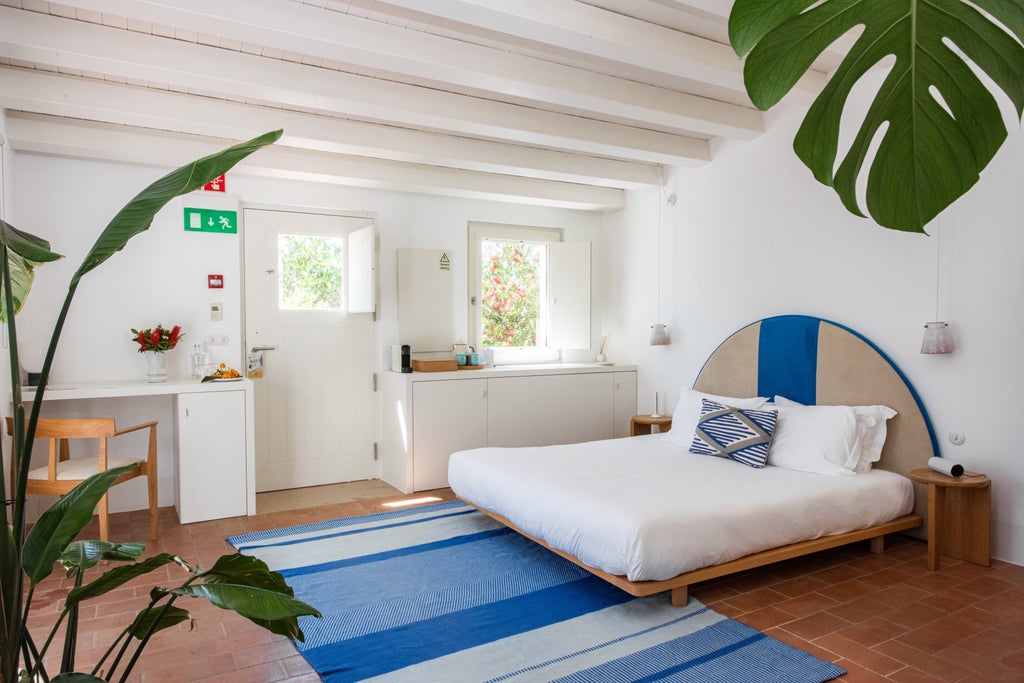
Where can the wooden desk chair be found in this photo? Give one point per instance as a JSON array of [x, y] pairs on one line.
[[63, 472]]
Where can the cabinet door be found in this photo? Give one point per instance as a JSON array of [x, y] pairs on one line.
[[549, 409], [625, 402], [211, 477], [448, 416]]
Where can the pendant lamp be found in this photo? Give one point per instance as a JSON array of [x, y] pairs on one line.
[[937, 336], [659, 333]]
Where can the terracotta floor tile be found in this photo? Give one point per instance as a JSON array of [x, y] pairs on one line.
[[872, 660], [872, 631], [922, 661], [882, 617], [756, 599], [816, 625], [765, 618], [805, 605], [856, 611]]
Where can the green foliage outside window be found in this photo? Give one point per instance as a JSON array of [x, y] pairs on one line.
[[310, 272], [510, 307]]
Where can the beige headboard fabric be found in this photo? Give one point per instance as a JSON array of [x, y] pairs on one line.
[[848, 371]]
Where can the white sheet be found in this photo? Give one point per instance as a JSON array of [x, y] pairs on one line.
[[648, 509]]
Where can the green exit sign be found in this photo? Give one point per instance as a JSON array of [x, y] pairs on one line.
[[211, 220]]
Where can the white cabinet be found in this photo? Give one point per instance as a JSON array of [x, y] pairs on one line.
[[428, 416], [211, 474], [448, 417], [549, 409], [624, 402]]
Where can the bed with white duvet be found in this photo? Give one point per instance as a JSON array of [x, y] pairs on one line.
[[843, 427]]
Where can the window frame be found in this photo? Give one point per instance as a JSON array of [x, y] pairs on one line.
[[478, 232]]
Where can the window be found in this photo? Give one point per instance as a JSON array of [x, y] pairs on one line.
[[310, 272], [513, 279]]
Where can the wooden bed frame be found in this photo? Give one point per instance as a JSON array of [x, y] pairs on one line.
[[831, 365], [679, 585]]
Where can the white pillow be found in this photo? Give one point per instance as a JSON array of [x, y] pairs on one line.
[[871, 425], [687, 412], [871, 420], [821, 439]]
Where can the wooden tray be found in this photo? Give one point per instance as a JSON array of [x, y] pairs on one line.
[[434, 365]]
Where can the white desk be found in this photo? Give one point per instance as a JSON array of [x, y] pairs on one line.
[[214, 459]]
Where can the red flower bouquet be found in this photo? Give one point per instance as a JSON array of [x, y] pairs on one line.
[[157, 339]]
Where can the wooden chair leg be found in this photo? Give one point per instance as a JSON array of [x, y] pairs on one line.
[[154, 510], [104, 518]]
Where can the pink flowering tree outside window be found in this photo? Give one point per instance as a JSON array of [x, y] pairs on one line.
[[510, 302]]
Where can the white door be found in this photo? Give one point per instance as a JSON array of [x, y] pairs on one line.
[[306, 275]]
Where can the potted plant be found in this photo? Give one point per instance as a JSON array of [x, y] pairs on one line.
[[153, 341], [236, 582]]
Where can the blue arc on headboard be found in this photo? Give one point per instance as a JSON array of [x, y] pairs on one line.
[[787, 362]]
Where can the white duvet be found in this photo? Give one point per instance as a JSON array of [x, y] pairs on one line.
[[648, 509]]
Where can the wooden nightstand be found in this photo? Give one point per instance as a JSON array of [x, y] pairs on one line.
[[959, 516], [641, 424]]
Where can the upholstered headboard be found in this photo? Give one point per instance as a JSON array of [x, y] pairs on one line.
[[815, 361]]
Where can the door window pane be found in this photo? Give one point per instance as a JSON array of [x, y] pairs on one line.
[[309, 272]]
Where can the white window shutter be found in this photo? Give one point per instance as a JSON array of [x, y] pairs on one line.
[[569, 295], [362, 289]]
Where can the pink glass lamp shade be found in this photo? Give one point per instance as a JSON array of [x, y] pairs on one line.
[[659, 335], [937, 338]]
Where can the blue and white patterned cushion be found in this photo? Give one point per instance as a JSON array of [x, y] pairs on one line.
[[737, 433]]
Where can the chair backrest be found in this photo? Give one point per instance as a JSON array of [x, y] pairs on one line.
[[71, 428]]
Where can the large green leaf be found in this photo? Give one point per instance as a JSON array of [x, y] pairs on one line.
[[62, 521], [137, 215], [117, 577], [82, 555], [273, 610], [939, 123], [245, 570], [157, 619], [26, 252]]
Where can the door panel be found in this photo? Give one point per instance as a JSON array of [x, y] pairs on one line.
[[314, 404]]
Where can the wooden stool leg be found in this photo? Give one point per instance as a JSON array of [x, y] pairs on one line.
[[154, 512]]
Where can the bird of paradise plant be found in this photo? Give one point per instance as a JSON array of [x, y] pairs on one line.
[[236, 582]]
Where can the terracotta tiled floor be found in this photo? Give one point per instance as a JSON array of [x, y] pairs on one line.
[[882, 617]]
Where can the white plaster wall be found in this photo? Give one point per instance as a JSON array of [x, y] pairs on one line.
[[754, 236], [160, 277]]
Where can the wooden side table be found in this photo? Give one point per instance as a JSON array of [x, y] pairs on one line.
[[959, 516], [641, 424]]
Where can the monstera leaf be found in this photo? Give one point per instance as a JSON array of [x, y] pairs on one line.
[[938, 122]]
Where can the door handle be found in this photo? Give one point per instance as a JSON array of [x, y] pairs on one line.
[[263, 348]]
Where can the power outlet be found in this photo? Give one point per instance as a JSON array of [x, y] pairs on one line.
[[216, 340]]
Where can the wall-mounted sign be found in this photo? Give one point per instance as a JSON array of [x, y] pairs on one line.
[[445, 262], [211, 220], [215, 185]]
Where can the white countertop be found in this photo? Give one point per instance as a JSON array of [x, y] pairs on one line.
[[520, 371], [128, 387]]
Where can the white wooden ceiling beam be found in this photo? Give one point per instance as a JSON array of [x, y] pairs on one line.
[[592, 30], [309, 30], [30, 133], [74, 45], [48, 93]]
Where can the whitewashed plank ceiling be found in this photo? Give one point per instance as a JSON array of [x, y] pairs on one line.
[[556, 102]]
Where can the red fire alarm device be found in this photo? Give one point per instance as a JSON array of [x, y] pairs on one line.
[[215, 281], [216, 185]]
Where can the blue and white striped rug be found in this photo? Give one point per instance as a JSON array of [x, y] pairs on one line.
[[444, 593]]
